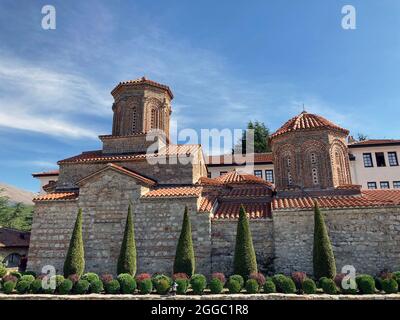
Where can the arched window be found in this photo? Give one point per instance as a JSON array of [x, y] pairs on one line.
[[153, 118], [12, 260], [314, 168]]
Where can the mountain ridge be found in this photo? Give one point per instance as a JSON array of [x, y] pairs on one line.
[[15, 194]]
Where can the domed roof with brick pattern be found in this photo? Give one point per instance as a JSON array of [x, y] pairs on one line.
[[307, 121]]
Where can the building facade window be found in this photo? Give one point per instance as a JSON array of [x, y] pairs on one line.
[[380, 159], [289, 178], [384, 185], [367, 157], [222, 173], [258, 173], [393, 161], [396, 184], [269, 175], [371, 185], [208, 174], [314, 175]]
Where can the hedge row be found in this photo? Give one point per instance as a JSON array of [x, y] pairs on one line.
[[181, 283]]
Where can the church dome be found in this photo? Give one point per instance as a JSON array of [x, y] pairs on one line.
[[307, 121]]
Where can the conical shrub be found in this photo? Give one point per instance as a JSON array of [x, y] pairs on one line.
[[323, 258], [127, 255], [184, 257], [75, 259], [245, 261]]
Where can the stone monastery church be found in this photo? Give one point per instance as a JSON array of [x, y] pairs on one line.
[[311, 162]]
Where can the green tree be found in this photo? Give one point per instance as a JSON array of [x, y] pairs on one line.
[[184, 257], [245, 261], [261, 138], [75, 260], [16, 216], [323, 258], [127, 255]]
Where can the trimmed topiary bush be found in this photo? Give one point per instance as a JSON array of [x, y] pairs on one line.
[[3, 270], [216, 286], [244, 262], [9, 286], [105, 278], [390, 285], [127, 283], [142, 276], [23, 286], [284, 284], [184, 256], [96, 286], [65, 287], [9, 277], [29, 278], [74, 278], [81, 287], [127, 255], [198, 283], [29, 272], [238, 278], [252, 286], [16, 274], [90, 277], [183, 285], [323, 258], [298, 278], [75, 260], [145, 286], [220, 276], [350, 282], [259, 277], [59, 279], [112, 287], [329, 286], [36, 286], [308, 286], [233, 286], [269, 286], [366, 284], [180, 276], [163, 286]]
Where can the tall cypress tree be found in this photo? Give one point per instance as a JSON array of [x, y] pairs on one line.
[[323, 258], [245, 261], [184, 257], [75, 259], [127, 256]]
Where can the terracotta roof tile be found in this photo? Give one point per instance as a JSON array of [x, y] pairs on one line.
[[374, 142], [57, 196], [143, 80], [230, 159], [307, 121], [235, 177], [207, 203], [98, 157], [248, 192], [229, 210], [174, 192], [13, 238]]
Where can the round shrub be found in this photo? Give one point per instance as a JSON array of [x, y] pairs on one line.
[[220, 276], [329, 286], [238, 278], [9, 286], [252, 286], [269, 286], [180, 276], [259, 277], [158, 277], [216, 286], [96, 286], [90, 277], [198, 283], [378, 283], [390, 285], [81, 287], [309, 286], [145, 286], [163, 286], [59, 280], [36, 286], [23, 286], [16, 274], [234, 286], [29, 278], [366, 284], [29, 272], [74, 278], [183, 285], [127, 283], [142, 276], [112, 287], [9, 277], [3, 270], [284, 284], [298, 278], [396, 276], [320, 281], [106, 278], [65, 287]]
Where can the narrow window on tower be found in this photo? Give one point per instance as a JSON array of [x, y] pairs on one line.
[[134, 120]]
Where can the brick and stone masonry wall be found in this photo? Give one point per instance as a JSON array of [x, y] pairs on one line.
[[223, 244], [367, 238]]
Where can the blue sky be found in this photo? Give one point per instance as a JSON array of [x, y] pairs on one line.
[[226, 62]]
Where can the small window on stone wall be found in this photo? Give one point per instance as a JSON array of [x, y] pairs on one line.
[[315, 176], [289, 177], [313, 158]]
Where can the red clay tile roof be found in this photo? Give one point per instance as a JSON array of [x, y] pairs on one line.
[[307, 121], [374, 142], [46, 174], [248, 192], [230, 159], [207, 203], [174, 192], [368, 198], [98, 157], [235, 177], [143, 80], [229, 210], [13, 238], [123, 170], [56, 196]]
